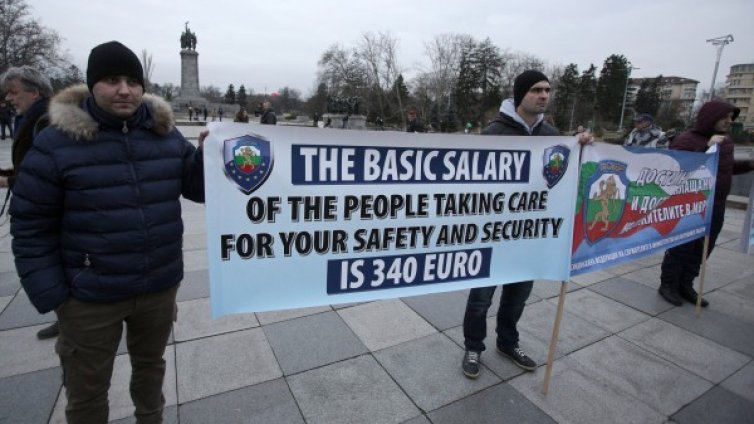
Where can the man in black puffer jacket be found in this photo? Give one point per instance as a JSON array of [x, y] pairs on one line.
[[523, 115], [97, 230]]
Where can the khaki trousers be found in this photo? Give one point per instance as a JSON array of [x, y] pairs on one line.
[[88, 341]]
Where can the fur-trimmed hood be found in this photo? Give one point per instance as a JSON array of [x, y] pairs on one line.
[[67, 115]]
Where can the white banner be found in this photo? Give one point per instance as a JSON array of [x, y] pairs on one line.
[[300, 216]]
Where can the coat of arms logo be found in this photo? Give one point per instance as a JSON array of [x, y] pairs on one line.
[[248, 161], [555, 164], [605, 203]]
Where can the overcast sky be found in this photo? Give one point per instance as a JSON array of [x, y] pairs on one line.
[[275, 43]]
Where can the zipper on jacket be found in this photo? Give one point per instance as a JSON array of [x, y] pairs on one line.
[[87, 262], [130, 153]]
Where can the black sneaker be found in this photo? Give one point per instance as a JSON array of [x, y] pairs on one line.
[[519, 357], [49, 332], [470, 364], [690, 295]]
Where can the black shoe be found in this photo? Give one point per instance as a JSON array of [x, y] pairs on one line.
[[670, 295], [470, 364], [49, 332], [519, 357], [690, 296]]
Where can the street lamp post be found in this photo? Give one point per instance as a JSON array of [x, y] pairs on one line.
[[720, 42], [625, 94]]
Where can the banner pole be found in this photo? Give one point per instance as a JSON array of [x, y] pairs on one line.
[[554, 339], [701, 277]]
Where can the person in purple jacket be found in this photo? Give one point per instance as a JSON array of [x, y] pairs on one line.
[[681, 264]]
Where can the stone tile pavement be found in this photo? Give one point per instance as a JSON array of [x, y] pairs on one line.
[[624, 355]]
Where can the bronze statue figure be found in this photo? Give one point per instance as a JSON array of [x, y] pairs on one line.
[[188, 39]]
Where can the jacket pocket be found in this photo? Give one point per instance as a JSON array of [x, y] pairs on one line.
[[86, 263]]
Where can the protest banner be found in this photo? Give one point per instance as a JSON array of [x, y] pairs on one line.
[[301, 217], [633, 202]]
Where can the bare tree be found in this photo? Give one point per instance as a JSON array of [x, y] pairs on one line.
[[61, 78], [391, 70], [444, 53], [148, 65], [342, 71], [514, 64], [211, 93], [23, 41], [378, 55], [369, 50], [167, 90], [423, 95]]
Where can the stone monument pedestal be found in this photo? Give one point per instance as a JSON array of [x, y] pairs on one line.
[[190, 95], [355, 122]]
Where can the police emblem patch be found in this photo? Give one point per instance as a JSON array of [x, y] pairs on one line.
[[555, 164], [248, 161]]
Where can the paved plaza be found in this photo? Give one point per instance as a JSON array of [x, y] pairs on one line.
[[624, 355]]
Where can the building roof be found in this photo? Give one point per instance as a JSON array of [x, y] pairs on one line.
[[666, 80]]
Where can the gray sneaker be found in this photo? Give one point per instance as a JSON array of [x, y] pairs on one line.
[[519, 357], [470, 364]]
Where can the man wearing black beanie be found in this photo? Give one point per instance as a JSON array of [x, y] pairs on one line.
[[97, 230], [113, 58], [523, 115]]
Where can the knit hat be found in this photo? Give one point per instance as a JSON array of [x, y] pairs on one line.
[[644, 117], [524, 82], [113, 58]]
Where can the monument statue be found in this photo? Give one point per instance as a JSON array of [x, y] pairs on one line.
[[190, 95], [188, 39], [345, 109], [346, 105]]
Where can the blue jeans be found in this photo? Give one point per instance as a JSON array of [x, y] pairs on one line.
[[512, 302]]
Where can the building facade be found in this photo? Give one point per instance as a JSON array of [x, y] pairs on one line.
[[678, 90], [739, 90]]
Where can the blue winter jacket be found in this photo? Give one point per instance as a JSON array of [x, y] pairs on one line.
[[96, 210]]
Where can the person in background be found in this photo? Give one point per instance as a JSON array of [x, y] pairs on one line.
[[242, 115], [646, 133], [97, 230], [6, 119], [29, 92], [681, 264], [268, 117], [414, 125]]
